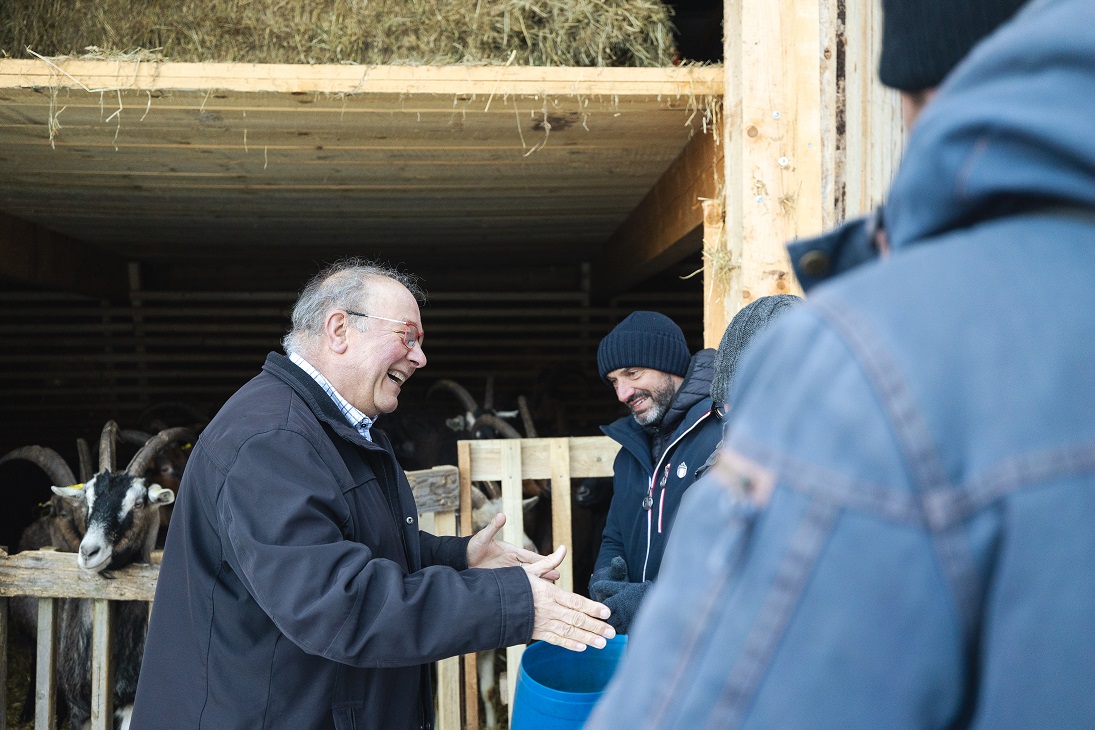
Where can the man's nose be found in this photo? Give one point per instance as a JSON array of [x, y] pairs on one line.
[[417, 356], [624, 392]]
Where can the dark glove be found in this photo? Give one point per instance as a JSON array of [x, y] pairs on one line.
[[625, 604], [605, 581]]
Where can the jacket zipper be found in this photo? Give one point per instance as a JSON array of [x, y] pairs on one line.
[[650, 491]]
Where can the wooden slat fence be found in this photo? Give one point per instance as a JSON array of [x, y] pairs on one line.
[[50, 576], [510, 461]]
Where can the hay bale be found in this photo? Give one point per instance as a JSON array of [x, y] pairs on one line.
[[523, 32]]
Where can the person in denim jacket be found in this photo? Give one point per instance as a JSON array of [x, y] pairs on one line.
[[900, 531]]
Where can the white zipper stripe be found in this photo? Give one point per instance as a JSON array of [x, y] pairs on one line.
[[653, 478]]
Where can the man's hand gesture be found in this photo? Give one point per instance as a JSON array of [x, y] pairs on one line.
[[562, 618], [484, 551]]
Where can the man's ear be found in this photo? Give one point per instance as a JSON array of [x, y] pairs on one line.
[[335, 331]]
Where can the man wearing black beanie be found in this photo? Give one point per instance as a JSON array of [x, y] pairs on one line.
[[668, 436], [898, 530]]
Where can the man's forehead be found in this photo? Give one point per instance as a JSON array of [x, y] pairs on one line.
[[395, 299]]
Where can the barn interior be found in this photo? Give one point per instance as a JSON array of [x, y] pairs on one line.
[[157, 220]]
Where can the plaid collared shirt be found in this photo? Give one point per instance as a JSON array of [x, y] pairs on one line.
[[356, 418]]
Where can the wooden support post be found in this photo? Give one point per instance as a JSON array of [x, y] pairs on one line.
[[45, 691], [560, 509], [471, 677], [102, 666], [773, 139], [717, 266], [513, 532], [448, 670]]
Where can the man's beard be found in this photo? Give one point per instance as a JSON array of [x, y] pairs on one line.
[[659, 403]]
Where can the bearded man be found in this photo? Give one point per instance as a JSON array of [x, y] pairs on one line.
[[671, 432]]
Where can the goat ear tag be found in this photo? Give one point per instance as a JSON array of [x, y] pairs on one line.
[[682, 469]]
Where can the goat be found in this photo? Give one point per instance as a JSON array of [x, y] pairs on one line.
[[115, 516], [166, 467]]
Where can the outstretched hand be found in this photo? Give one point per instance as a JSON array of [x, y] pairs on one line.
[[562, 618], [484, 551]]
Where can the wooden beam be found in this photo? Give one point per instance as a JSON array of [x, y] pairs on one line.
[[774, 151], [448, 81], [665, 226], [35, 255]]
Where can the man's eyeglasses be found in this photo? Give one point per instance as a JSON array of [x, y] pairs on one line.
[[411, 335]]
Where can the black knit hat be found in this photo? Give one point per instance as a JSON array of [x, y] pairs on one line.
[[745, 325], [644, 340], [922, 40]]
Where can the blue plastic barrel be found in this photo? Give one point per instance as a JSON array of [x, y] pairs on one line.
[[557, 688]]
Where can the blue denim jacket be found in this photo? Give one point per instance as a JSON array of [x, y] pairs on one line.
[[900, 532]]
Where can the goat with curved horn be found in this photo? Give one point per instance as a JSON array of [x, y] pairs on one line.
[[458, 390], [108, 446], [140, 461], [526, 416], [83, 453], [504, 430], [46, 458]]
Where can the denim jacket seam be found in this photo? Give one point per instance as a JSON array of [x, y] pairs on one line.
[[922, 458]]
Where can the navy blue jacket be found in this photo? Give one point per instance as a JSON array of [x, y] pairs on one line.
[[900, 531], [638, 534], [296, 590]]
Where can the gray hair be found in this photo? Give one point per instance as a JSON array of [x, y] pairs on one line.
[[343, 284]]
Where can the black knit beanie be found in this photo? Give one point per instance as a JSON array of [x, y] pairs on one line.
[[922, 40], [745, 325], [644, 340]]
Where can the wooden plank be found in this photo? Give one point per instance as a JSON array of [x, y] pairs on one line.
[[664, 227], [102, 666], [448, 670], [716, 275], [45, 573], [512, 532], [436, 489], [45, 689], [33, 254], [773, 141], [561, 520], [468, 664], [874, 136], [590, 456], [491, 81]]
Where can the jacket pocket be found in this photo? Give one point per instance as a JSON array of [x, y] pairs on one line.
[[348, 716]]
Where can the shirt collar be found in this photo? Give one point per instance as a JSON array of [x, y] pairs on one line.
[[353, 416]]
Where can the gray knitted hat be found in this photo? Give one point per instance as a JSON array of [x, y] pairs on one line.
[[746, 324], [922, 40], [644, 340]]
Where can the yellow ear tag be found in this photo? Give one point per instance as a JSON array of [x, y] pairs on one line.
[[77, 486]]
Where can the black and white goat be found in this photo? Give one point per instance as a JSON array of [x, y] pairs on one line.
[[116, 517]]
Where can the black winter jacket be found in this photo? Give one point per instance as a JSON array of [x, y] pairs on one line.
[[688, 435], [296, 590]]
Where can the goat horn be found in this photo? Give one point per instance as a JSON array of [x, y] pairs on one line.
[[108, 446], [478, 499], [488, 397], [526, 416], [48, 459], [83, 453], [140, 461], [134, 437], [458, 390], [504, 429]]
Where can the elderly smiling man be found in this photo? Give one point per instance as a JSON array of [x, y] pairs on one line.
[[296, 589]]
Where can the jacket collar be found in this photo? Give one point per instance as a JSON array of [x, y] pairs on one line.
[[849, 245], [317, 400]]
